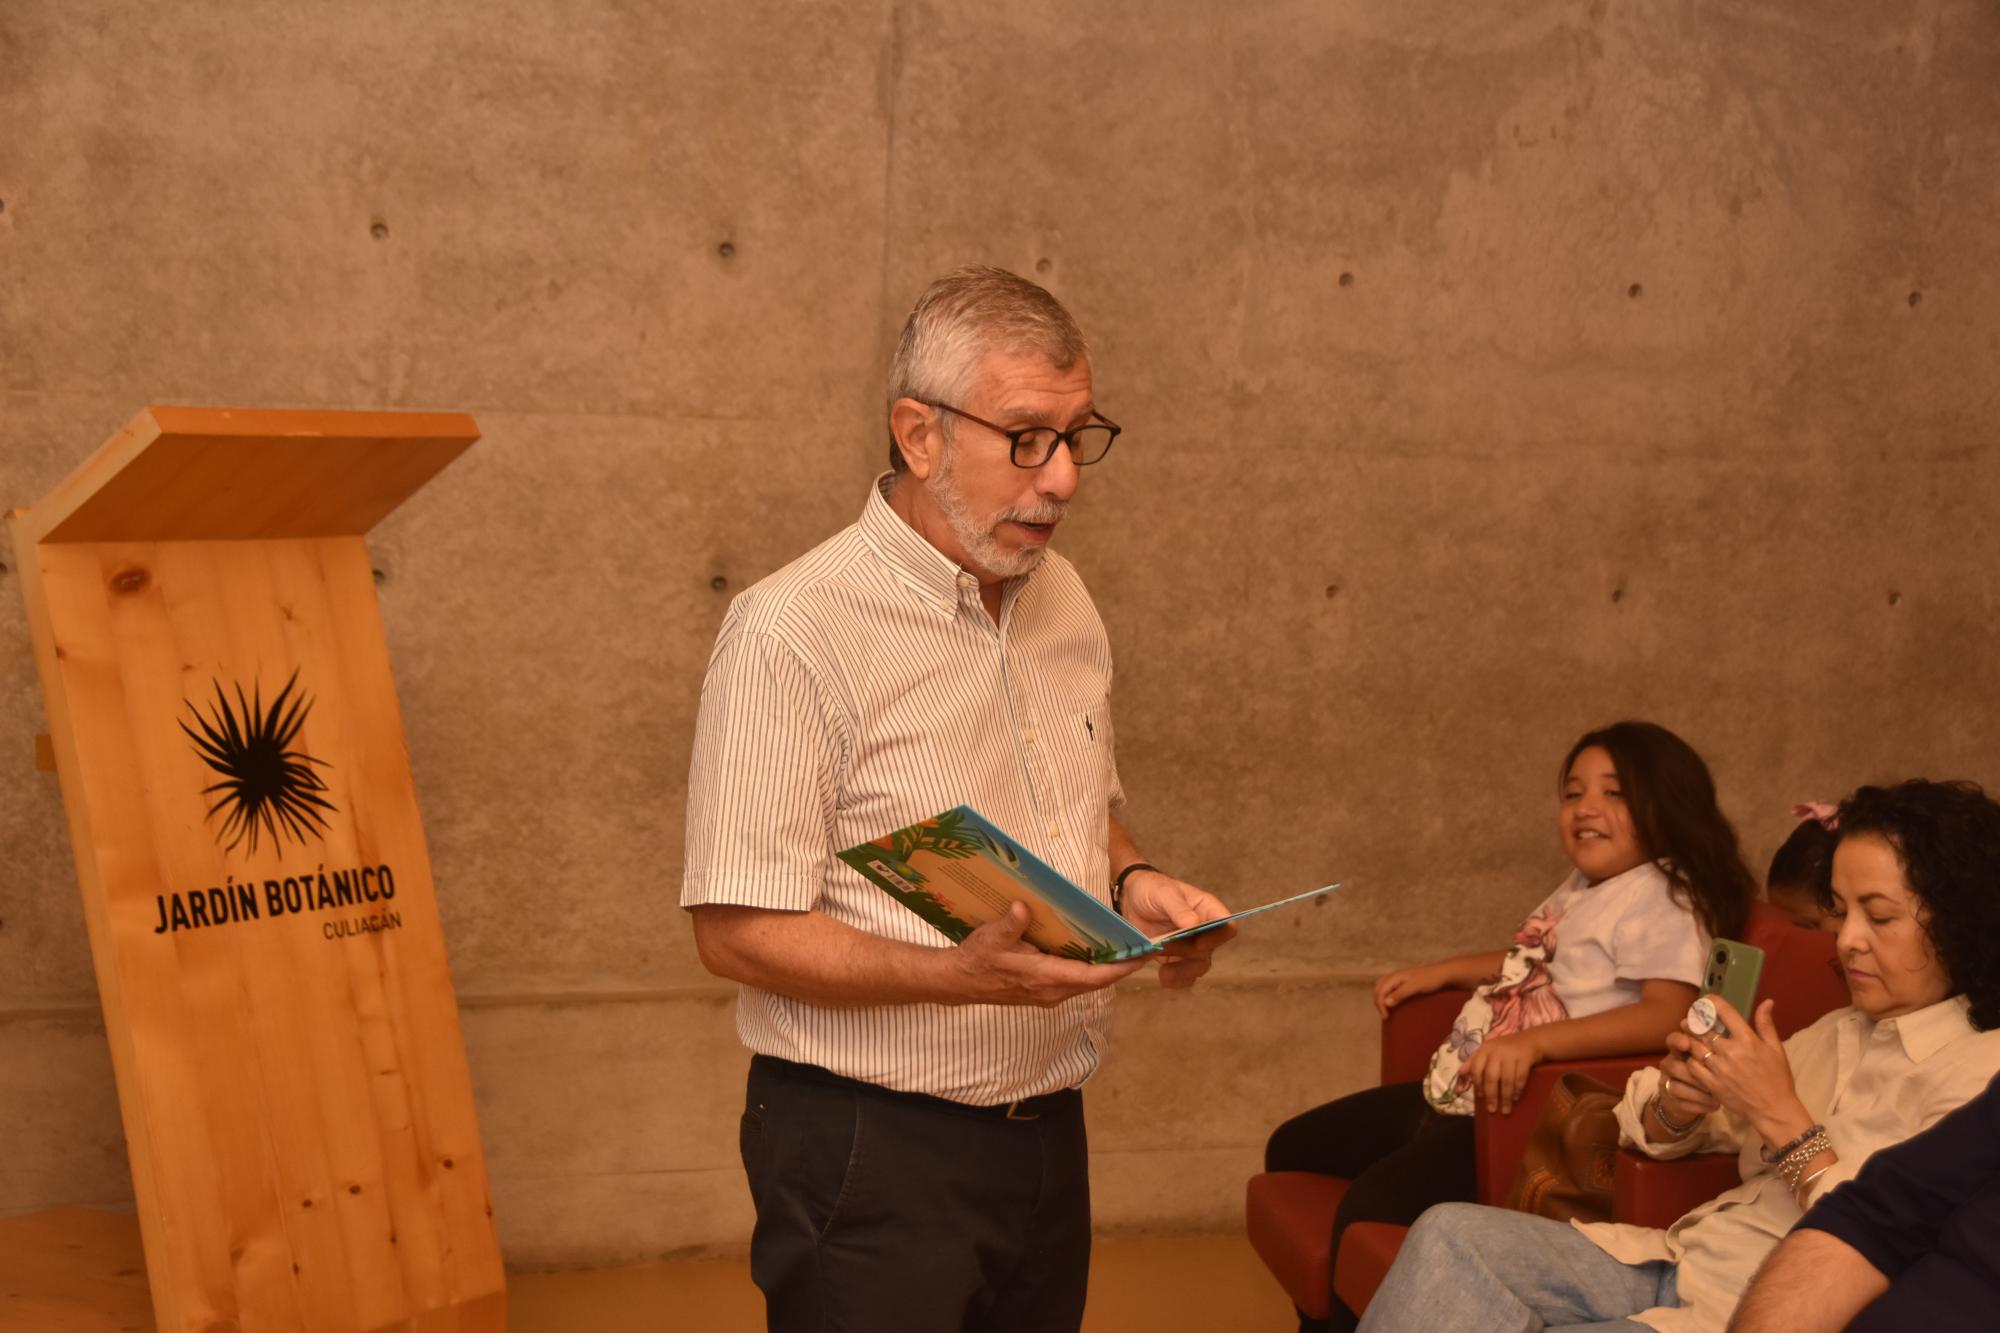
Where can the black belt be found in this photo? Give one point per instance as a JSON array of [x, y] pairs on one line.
[[1027, 1108]]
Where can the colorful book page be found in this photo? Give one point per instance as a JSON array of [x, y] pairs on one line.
[[958, 871]]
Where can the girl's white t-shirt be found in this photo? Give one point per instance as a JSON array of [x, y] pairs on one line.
[[1587, 948]]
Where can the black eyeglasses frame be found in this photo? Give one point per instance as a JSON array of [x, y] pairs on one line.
[[1015, 438]]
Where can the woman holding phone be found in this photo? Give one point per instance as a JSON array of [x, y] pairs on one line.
[[1915, 891]]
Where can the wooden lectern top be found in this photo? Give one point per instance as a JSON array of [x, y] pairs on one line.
[[224, 474]]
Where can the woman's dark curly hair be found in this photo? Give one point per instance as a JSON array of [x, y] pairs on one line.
[[1947, 835], [1671, 797]]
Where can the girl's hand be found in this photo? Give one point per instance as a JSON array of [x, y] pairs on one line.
[[1406, 983], [1747, 1072], [1499, 1069]]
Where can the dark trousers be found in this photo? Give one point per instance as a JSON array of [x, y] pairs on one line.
[[881, 1211], [1401, 1156]]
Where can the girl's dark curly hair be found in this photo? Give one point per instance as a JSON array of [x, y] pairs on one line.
[[1671, 797], [1803, 861], [1947, 835]]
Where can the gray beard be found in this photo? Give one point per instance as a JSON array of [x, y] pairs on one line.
[[978, 542]]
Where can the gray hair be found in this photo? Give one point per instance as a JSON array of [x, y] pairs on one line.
[[962, 316]]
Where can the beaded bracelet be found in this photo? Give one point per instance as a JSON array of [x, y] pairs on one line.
[[1773, 1156], [1794, 1164]]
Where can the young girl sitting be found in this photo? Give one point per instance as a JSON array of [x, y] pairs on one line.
[[1606, 965]]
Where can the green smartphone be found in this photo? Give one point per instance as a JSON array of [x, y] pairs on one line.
[[1734, 969]]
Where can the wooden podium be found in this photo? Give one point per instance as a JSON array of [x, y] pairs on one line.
[[265, 931]]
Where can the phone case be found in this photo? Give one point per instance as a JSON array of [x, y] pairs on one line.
[[1734, 969]]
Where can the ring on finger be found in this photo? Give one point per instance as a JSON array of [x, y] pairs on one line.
[[1708, 1055], [1666, 1084]]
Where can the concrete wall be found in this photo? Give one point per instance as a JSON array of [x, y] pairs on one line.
[[1488, 373]]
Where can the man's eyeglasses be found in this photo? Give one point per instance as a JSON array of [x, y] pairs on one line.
[[1033, 446]]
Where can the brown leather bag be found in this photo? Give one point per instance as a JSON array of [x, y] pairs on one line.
[[1566, 1170]]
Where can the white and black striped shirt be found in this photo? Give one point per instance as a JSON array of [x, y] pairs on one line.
[[861, 688]]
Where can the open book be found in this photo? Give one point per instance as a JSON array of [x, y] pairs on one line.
[[958, 872]]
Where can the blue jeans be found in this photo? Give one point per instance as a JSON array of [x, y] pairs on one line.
[[1472, 1269]]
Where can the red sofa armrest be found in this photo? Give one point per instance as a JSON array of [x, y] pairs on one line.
[[1366, 1252], [1651, 1193], [1500, 1140], [1414, 1029], [1412, 1032]]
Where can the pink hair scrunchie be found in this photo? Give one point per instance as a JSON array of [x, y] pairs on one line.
[[1827, 815]]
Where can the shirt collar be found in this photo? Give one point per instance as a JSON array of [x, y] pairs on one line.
[[933, 576], [1930, 1029], [1578, 882]]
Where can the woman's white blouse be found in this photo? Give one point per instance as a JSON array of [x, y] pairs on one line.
[[1871, 1084]]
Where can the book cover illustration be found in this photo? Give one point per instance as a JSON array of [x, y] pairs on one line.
[[958, 871]]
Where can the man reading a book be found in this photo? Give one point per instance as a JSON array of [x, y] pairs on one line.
[[913, 1132]]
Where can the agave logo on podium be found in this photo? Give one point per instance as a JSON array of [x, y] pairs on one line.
[[268, 789]]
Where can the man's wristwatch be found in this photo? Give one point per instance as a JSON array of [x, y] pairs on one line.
[[1118, 884]]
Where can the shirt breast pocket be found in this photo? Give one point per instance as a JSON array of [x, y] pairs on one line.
[[1084, 753]]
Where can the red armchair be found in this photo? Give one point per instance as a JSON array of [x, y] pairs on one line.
[[1289, 1214]]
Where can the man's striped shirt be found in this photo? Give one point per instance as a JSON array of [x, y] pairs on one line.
[[862, 688]]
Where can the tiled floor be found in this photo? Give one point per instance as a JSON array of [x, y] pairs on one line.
[[1204, 1284]]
